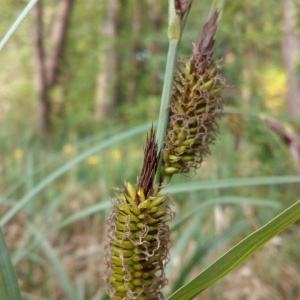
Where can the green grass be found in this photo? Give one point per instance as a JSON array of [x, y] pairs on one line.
[[56, 214], [54, 200]]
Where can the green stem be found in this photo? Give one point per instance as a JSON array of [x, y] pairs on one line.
[[9, 288], [176, 25], [165, 101]]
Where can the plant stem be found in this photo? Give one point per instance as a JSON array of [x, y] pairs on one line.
[[165, 100], [176, 25]]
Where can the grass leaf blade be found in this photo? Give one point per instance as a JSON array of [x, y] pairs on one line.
[[17, 23], [66, 167], [228, 183], [9, 288], [238, 254]]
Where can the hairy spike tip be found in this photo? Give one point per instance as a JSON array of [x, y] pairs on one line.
[[204, 46], [182, 5], [150, 164]]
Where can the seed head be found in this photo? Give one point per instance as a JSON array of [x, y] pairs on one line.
[[137, 247], [195, 105]]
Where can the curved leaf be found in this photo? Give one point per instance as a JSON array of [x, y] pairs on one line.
[[228, 183], [17, 23], [238, 254], [9, 288], [59, 172]]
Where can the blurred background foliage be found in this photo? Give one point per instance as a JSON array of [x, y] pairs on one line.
[[108, 77]]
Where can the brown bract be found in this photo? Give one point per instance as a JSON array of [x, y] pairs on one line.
[[150, 164], [204, 45], [182, 5]]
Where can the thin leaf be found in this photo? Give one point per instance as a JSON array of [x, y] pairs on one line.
[[82, 214], [203, 249], [17, 23], [166, 98], [229, 183], [182, 240], [9, 288], [60, 271], [59, 172], [54, 160], [229, 200], [238, 254]]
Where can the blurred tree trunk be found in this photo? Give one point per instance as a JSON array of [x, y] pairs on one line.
[[137, 47], [43, 109], [48, 64], [156, 16], [291, 55], [106, 94]]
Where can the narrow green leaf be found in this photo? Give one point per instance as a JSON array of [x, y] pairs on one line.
[[86, 142], [17, 23], [238, 254], [59, 172], [202, 249], [165, 100], [228, 200], [82, 214], [9, 289], [229, 183], [58, 268]]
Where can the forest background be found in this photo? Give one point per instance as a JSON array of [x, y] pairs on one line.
[[76, 73]]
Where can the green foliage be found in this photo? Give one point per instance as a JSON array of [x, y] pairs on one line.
[[8, 281], [238, 254], [54, 194], [242, 43], [56, 190]]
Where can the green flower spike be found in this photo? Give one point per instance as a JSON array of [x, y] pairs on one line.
[[195, 105], [138, 235]]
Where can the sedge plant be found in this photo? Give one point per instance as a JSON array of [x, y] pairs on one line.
[[138, 234]]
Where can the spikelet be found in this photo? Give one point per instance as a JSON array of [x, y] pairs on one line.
[[138, 235], [195, 105]]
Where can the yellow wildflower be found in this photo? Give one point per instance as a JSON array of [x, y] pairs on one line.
[[18, 153], [69, 149], [274, 89], [116, 154], [93, 160]]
